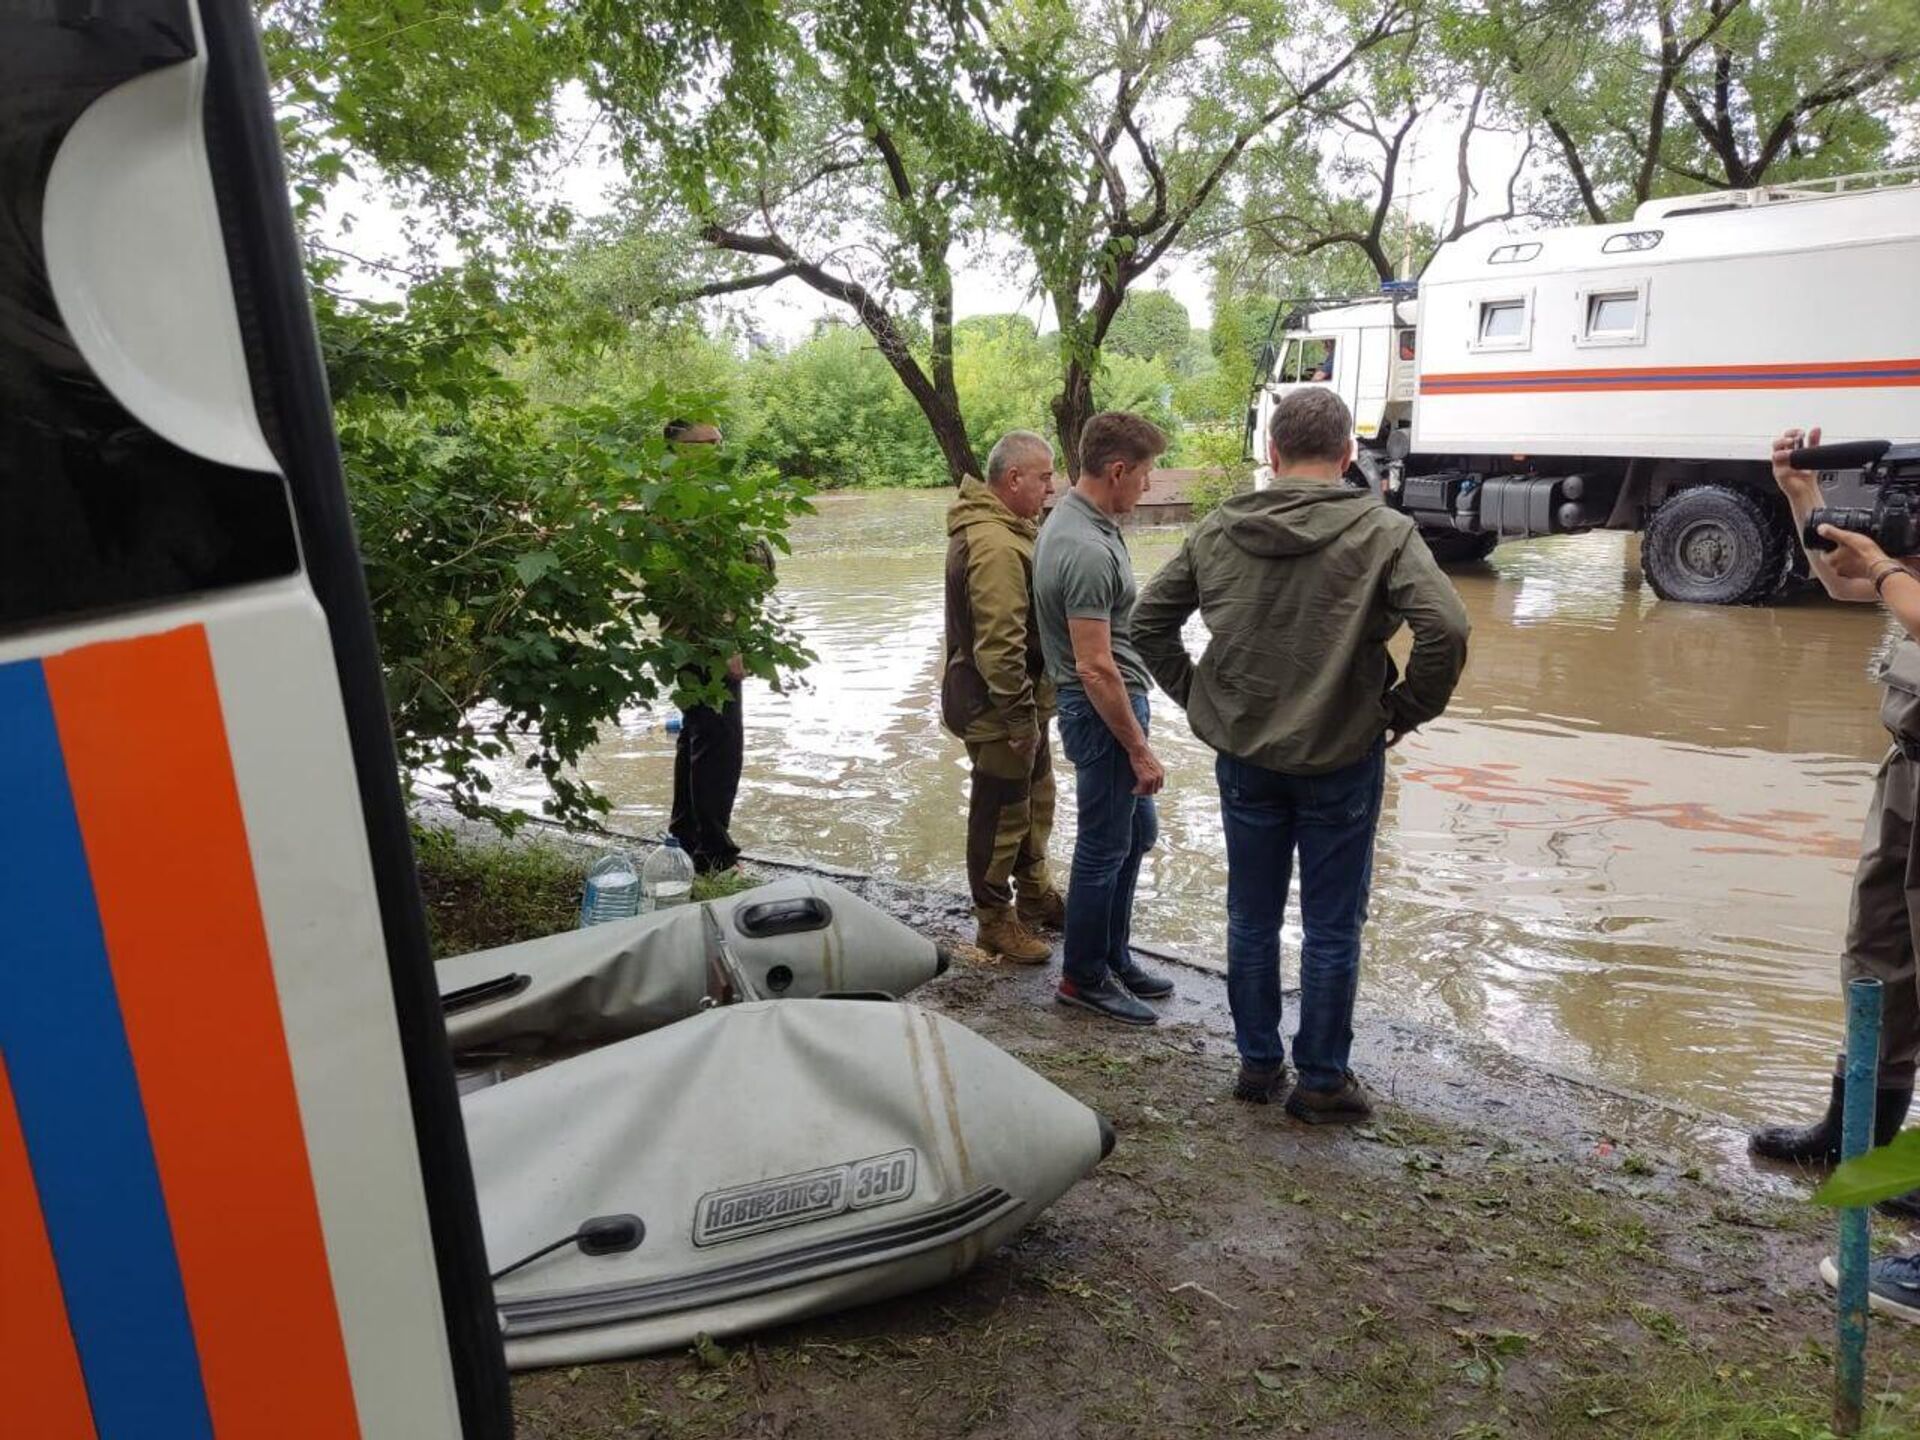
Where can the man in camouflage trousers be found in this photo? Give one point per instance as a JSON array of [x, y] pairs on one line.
[[995, 696]]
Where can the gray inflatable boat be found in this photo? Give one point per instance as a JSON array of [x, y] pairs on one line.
[[583, 988], [756, 1164]]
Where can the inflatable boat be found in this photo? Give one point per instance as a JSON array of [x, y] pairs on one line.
[[756, 1164], [793, 938]]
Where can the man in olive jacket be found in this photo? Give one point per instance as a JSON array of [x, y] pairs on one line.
[[995, 696], [1301, 586]]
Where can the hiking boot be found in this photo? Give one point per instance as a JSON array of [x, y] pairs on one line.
[[1893, 1284], [1008, 939], [1144, 983], [1818, 1144], [1260, 1084], [1344, 1106], [1045, 911], [1106, 999]]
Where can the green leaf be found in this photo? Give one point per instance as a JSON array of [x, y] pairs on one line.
[[1878, 1175], [536, 563]]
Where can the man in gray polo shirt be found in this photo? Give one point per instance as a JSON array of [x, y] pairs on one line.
[[1083, 595]]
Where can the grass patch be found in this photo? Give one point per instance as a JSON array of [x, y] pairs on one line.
[[482, 895]]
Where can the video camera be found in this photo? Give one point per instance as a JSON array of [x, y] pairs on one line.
[[1894, 521]]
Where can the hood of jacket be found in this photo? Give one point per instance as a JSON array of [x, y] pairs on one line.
[[977, 505], [1294, 517]]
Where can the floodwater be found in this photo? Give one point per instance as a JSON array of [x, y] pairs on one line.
[[1625, 851]]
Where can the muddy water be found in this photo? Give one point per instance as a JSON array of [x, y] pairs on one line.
[[1625, 851]]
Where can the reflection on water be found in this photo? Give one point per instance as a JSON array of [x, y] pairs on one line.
[[1625, 850]]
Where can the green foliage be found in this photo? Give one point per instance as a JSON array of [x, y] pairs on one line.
[[1150, 325], [1216, 451], [1880, 1174], [535, 570], [831, 412]]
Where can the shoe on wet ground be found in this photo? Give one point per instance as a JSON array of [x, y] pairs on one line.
[[1108, 999], [1893, 1285], [1007, 938], [1144, 982], [1260, 1084], [1045, 911], [1345, 1106]]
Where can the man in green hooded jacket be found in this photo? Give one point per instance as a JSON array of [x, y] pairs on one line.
[[1301, 586], [995, 696]]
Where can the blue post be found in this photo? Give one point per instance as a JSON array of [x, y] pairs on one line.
[[1856, 1136]]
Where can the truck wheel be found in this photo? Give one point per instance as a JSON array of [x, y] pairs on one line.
[[1456, 547], [1712, 545]]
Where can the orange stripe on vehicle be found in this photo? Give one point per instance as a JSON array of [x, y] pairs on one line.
[[48, 1397], [153, 786]]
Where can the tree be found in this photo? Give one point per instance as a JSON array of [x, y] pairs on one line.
[[1150, 325], [521, 556], [1642, 98], [850, 147], [1183, 89]]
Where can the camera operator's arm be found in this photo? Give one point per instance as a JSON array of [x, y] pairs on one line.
[[1802, 489], [1861, 562]]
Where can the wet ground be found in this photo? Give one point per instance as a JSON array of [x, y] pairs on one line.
[[1501, 1253], [1624, 852]]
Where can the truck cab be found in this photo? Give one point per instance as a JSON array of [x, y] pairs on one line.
[[1363, 349]]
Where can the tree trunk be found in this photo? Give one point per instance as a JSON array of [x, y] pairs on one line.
[[1072, 408]]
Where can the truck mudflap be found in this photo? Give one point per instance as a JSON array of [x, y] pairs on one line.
[[774, 1160]]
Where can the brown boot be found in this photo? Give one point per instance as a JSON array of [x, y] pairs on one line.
[[1045, 911], [1007, 938]]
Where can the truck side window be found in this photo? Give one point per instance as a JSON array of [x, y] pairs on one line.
[[1320, 365], [1503, 320], [1613, 316], [1406, 345], [1288, 370]]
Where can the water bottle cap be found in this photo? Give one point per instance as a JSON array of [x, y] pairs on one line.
[[672, 842]]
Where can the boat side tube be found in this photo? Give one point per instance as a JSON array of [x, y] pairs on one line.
[[797, 937]]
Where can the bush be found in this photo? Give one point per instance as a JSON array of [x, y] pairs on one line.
[[520, 559]]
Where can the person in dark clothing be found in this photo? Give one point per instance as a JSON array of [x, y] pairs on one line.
[[712, 748]]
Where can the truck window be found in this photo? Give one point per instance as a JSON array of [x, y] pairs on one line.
[[1406, 344], [1613, 312], [1502, 319], [1288, 369], [1631, 240], [1318, 360]]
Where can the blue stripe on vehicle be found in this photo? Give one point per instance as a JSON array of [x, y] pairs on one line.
[[78, 1098]]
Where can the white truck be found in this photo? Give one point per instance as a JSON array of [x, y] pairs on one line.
[[1630, 376]]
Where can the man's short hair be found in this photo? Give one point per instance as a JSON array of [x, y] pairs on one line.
[[1311, 425], [1010, 448], [677, 427], [1119, 435]]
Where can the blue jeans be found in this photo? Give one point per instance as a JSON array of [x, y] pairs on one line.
[[1331, 818], [1116, 828]]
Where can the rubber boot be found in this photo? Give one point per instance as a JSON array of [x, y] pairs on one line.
[[1818, 1144]]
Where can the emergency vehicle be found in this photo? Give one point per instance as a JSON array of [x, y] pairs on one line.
[[1630, 376]]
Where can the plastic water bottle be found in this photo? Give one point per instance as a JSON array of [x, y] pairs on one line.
[[612, 891], [667, 877]]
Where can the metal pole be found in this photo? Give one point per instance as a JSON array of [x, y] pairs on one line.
[[1856, 1135]]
